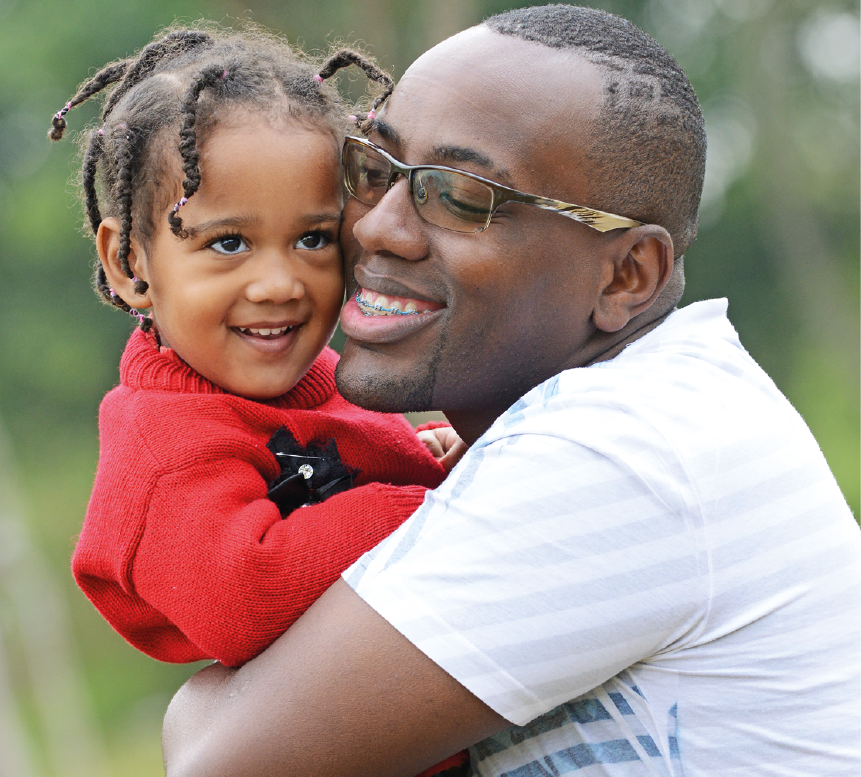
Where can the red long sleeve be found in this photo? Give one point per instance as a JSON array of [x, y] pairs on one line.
[[182, 552]]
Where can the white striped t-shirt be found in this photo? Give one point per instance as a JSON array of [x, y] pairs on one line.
[[647, 566]]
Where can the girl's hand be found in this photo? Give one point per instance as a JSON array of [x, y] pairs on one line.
[[445, 445]]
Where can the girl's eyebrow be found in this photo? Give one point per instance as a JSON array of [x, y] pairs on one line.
[[244, 222], [320, 218], [232, 222]]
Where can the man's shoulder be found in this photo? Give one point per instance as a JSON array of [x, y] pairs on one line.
[[690, 375]]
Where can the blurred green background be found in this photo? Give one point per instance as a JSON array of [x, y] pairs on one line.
[[779, 84]]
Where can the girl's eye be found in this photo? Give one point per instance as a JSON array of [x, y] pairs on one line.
[[314, 241], [229, 245]]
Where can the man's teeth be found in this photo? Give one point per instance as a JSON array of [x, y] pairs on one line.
[[383, 306], [247, 330]]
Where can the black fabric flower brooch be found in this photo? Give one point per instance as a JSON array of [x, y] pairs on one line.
[[309, 474]]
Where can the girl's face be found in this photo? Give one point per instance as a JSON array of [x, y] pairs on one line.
[[252, 296]]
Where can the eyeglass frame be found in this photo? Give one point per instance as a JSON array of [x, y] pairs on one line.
[[596, 219]]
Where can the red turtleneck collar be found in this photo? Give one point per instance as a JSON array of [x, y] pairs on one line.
[[145, 366]]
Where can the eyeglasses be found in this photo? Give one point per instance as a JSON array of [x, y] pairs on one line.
[[449, 198]]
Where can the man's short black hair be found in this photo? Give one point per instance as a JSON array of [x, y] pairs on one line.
[[648, 151]]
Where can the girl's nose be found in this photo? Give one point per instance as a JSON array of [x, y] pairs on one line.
[[274, 279]]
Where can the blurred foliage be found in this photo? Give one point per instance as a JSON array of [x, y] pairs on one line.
[[778, 80]]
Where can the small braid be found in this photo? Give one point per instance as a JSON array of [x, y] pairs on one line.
[[346, 57], [125, 175], [109, 75], [176, 42], [88, 180], [126, 155], [95, 148], [206, 78]]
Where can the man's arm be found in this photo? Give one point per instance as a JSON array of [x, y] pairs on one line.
[[341, 693]]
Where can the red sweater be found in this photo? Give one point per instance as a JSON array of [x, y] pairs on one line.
[[182, 552]]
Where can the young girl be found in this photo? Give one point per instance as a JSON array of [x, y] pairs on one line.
[[234, 484]]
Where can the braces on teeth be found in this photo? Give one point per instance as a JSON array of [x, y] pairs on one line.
[[365, 307]]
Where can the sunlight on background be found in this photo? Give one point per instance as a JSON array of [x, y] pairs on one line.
[[779, 84]]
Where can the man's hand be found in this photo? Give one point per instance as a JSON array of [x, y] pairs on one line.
[[445, 445], [340, 693]]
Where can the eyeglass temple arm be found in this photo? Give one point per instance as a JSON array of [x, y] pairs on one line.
[[597, 219]]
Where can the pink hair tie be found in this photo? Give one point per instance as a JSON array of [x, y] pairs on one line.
[[223, 74], [371, 116], [318, 78], [353, 118], [182, 201], [63, 111]]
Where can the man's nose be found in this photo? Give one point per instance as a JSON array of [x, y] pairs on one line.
[[393, 225]]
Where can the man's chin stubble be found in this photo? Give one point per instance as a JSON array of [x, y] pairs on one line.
[[390, 393]]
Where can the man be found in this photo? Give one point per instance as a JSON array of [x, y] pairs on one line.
[[643, 561]]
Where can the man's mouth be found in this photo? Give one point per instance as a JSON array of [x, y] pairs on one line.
[[373, 304], [371, 317]]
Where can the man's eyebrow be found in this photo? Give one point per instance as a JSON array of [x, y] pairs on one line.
[[459, 154], [387, 132], [455, 155], [444, 155]]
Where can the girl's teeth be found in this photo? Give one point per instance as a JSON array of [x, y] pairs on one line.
[[264, 332]]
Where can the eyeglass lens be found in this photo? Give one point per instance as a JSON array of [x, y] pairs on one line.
[[444, 198]]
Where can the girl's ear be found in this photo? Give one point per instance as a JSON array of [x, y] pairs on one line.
[[108, 245]]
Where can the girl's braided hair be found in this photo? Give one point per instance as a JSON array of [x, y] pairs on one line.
[[168, 97]]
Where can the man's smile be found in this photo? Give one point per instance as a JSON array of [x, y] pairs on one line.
[[371, 317], [373, 304]]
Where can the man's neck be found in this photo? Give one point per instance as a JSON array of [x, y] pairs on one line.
[[603, 346]]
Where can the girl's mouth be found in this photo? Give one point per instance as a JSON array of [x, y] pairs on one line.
[[263, 332]]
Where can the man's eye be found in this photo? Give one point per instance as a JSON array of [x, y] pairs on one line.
[[313, 241], [229, 245], [466, 208], [376, 176]]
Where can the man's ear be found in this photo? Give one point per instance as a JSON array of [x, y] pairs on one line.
[[641, 267], [108, 245]]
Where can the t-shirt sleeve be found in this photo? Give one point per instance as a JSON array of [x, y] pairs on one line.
[[541, 568]]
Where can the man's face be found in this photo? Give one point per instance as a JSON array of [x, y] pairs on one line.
[[501, 310]]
